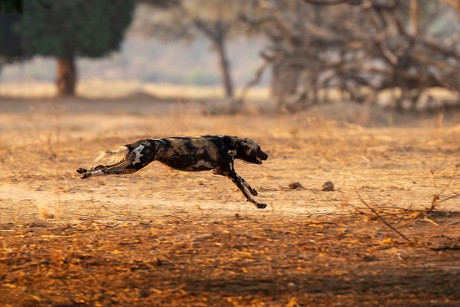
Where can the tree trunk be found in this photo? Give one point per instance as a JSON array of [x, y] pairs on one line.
[[414, 17], [284, 83], [224, 66], [66, 78]]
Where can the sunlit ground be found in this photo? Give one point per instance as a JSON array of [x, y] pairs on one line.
[[164, 237]]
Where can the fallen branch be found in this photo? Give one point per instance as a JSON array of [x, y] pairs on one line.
[[437, 197], [381, 218], [447, 198]]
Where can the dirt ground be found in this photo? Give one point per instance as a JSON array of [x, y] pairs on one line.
[[387, 235]]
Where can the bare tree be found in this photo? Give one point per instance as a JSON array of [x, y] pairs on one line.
[[217, 32], [360, 49], [215, 20]]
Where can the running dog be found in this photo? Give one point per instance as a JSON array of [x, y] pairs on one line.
[[216, 153]]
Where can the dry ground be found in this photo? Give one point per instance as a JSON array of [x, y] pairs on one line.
[[162, 237]]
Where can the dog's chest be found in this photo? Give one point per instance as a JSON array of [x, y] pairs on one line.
[[201, 165], [188, 163]]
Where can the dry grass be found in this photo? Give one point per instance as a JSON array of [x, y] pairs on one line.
[[165, 237], [122, 88]]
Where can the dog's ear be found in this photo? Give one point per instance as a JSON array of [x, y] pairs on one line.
[[243, 145]]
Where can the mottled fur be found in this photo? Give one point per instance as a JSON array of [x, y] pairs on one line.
[[216, 153]]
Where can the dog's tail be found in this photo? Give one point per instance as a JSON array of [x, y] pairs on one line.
[[114, 156]]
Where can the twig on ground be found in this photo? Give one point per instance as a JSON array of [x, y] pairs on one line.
[[437, 196], [447, 198], [381, 218], [430, 221], [114, 212]]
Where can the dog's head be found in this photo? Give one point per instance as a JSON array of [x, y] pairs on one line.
[[249, 151]]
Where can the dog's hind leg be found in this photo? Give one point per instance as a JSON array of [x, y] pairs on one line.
[[135, 159], [102, 170]]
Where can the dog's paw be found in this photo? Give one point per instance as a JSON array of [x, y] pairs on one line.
[[84, 173], [253, 192], [261, 206], [82, 170]]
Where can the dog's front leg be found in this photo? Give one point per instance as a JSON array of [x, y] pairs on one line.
[[242, 184], [219, 171]]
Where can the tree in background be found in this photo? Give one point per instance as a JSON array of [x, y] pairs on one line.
[[359, 49], [10, 43], [10, 6], [215, 20], [70, 29]]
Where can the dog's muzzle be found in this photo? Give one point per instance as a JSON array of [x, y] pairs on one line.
[[261, 156]]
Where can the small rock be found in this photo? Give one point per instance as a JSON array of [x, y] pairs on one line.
[[291, 285], [328, 186], [369, 258], [295, 185]]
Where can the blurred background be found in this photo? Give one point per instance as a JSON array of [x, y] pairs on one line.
[[291, 54]]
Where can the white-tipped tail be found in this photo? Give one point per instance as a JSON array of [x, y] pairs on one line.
[[114, 156]]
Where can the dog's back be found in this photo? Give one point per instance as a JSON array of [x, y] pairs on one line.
[[195, 153]]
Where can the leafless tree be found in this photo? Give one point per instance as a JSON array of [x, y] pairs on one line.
[[215, 20], [360, 48]]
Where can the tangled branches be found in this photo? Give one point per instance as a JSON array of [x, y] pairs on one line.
[[357, 52]]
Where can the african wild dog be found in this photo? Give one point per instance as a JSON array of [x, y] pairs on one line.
[[204, 153]]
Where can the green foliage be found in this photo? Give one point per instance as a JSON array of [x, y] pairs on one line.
[[10, 42], [74, 27], [10, 6]]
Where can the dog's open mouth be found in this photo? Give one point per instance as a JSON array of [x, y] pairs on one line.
[[259, 160], [261, 157]]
